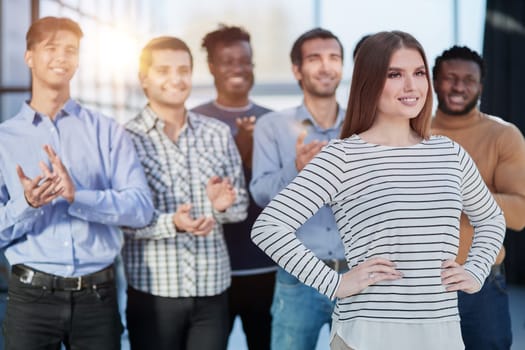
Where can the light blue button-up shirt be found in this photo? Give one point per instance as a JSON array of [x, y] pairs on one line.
[[111, 190], [273, 168]]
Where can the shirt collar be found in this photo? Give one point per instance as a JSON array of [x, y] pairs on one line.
[[233, 109], [304, 116], [194, 121], [151, 119], [71, 107]]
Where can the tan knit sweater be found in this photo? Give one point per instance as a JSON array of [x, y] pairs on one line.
[[498, 149]]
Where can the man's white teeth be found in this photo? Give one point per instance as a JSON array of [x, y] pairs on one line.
[[408, 99], [456, 99]]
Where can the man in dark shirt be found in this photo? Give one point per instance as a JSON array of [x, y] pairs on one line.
[[253, 273]]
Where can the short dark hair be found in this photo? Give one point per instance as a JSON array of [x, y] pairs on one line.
[[161, 43], [459, 53], [46, 27], [226, 35], [296, 54]]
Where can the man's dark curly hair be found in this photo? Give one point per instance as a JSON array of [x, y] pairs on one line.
[[226, 35], [460, 53]]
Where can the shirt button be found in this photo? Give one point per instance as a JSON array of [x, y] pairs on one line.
[[69, 268], [66, 244], [328, 229]]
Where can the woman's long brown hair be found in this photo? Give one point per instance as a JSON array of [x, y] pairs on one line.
[[369, 77]]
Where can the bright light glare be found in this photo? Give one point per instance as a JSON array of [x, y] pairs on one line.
[[121, 55]]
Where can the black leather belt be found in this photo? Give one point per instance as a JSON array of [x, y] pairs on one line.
[[339, 265], [45, 280]]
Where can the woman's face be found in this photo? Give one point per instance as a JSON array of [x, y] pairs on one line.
[[406, 86]]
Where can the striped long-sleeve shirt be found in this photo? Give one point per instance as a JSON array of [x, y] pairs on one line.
[[399, 203]]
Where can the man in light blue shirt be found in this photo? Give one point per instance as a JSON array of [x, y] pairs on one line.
[[284, 142], [68, 178]]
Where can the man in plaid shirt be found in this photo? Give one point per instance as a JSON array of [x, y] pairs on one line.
[[178, 268]]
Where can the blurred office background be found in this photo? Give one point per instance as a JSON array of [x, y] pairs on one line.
[[116, 30]]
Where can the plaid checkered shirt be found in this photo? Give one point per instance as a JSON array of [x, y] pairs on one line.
[[158, 259]]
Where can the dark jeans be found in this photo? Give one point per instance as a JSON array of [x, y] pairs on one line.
[[43, 319], [163, 323], [485, 318], [250, 298]]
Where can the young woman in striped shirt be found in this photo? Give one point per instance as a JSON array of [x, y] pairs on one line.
[[397, 194]]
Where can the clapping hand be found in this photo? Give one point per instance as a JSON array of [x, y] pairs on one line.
[[244, 138], [184, 222], [68, 188], [305, 152], [220, 193], [51, 184], [245, 126]]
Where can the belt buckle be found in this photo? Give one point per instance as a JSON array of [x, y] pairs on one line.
[[77, 287], [27, 276]]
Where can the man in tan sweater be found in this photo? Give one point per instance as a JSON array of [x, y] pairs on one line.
[[498, 149]]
